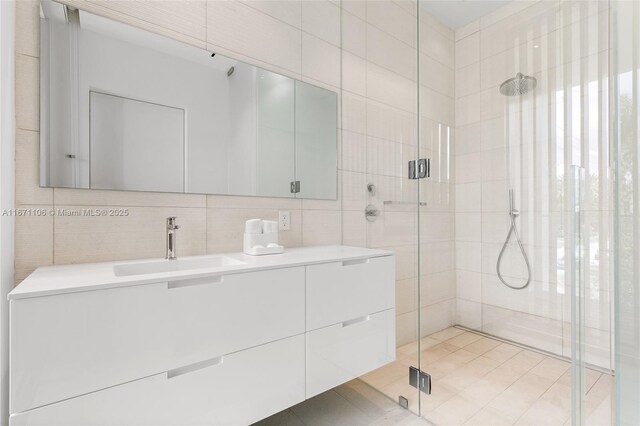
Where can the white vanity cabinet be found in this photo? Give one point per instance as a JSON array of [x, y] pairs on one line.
[[227, 346]]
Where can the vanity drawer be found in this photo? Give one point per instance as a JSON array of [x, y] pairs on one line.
[[342, 352], [340, 291], [67, 345], [220, 315], [236, 389]]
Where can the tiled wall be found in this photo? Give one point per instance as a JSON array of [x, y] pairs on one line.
[[528, 143], [366, 50]]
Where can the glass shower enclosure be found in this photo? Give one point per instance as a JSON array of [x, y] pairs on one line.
[[504, 280]]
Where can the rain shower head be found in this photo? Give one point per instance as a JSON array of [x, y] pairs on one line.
[[518, 85]]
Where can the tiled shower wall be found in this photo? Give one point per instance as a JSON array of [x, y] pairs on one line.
[[366, 51], [528, 143], [380, 135]]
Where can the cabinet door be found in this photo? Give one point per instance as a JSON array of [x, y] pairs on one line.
[[235, 389], [344, 351], [340, 291], [66, 345]]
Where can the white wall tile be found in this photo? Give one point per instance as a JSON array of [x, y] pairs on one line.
[[354, 34], [320, 60], [469, 314], [27, 92], [437, 45], [390, 53], [354, 228], [391, 89], [469, 285], [321, 227], [468, 197], [355, 7], [321, 18], [438, 287], [468, 226], [468, 254], [34, 242], [393, 19], [187, 18], [27, 189], [354, 74], [260, 36], [354, 113], [289, 11], [468, 138], [27, 34], [437, 317], [468, 168], [436, 76], [468, 109], [467, 80], [468, 50]]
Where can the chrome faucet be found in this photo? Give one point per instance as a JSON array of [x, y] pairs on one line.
[[171, 238]]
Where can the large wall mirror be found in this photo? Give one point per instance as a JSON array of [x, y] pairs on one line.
[[126, 109]]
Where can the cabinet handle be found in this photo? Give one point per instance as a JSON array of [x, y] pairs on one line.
[[194, 367], [356, 321], [196, 281], [355, 262]]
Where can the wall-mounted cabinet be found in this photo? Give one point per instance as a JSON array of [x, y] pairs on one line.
[[229, 347]]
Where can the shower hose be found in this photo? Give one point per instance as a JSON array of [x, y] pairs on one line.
[[513, 213]]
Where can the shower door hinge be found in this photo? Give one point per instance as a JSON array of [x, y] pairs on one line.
[[420, 380], [420, 168], [295, 186]]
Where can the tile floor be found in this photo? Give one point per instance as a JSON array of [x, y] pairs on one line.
[[482, 381], [351, 404]]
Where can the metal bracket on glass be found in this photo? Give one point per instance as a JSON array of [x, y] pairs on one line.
[[420, 168], [403, 402], [420, 380], [295, 186]]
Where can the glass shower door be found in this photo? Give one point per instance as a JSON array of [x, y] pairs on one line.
[[379, 139], [625, 134]]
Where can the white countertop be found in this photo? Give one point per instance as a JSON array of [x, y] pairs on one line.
[[50, 280]]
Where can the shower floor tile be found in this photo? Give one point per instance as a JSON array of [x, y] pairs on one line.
[[478, 380]]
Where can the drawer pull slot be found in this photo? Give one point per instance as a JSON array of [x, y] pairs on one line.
[[355, 262], [356, 321], [195, 367], [196, 281]]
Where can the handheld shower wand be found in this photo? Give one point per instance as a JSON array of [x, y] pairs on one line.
[[513, 213]]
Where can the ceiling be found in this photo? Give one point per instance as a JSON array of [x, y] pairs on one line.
[[458, 13]]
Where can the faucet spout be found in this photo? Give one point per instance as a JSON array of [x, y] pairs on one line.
[[171, 238]]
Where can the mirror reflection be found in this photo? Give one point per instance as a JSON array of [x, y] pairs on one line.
[[126, 109]]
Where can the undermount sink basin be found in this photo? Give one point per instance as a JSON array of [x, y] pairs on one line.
[[159, 266]]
